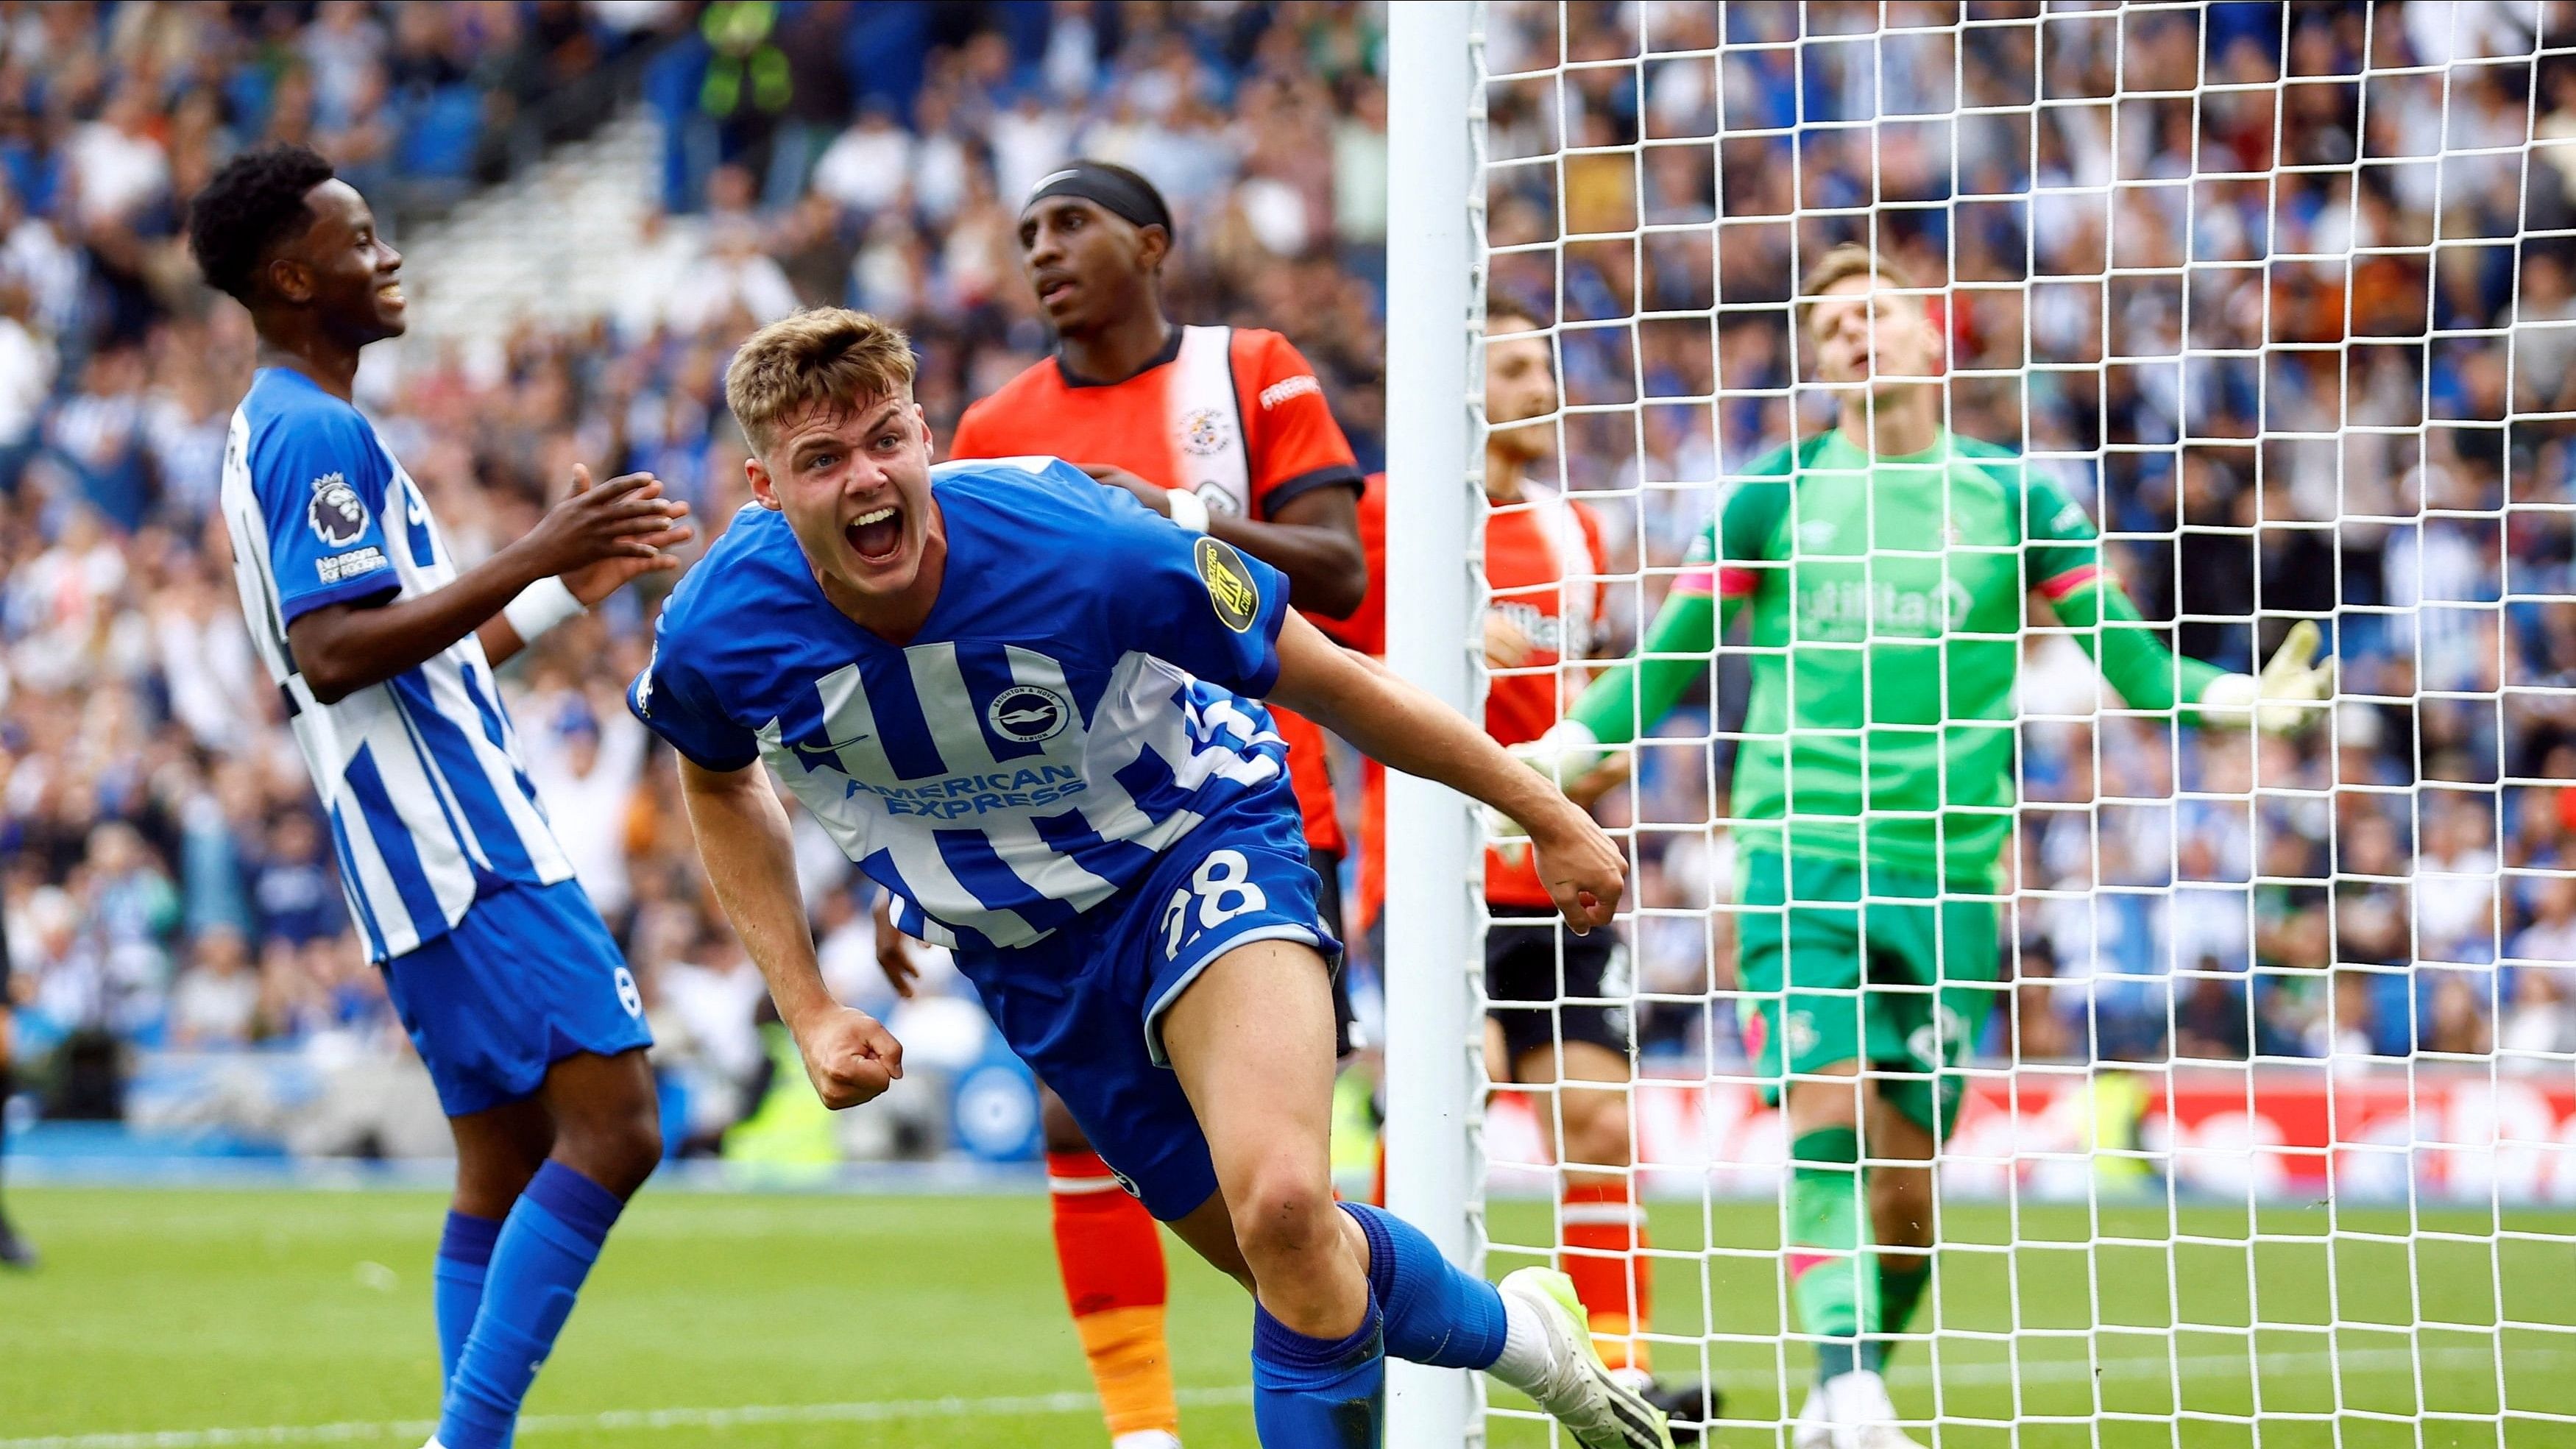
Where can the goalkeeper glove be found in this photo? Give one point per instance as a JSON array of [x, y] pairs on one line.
[[1567, 752], [2277, 700]]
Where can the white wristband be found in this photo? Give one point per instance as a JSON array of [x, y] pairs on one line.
[[1188, 510], [539, 607], [1566, 753], [2229, 701]]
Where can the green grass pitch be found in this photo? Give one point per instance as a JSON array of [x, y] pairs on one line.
[[779, 1322]]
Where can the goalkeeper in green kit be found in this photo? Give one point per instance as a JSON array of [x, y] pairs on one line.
[[1886, 566]]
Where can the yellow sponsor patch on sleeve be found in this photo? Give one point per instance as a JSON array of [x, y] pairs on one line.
[[1229, 584]]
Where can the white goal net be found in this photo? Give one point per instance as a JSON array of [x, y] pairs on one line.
[[2270, 1134]]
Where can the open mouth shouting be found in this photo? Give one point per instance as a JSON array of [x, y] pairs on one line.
[[876, 536]]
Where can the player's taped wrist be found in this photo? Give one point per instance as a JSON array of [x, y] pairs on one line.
[[1188, 509], [539, 607]]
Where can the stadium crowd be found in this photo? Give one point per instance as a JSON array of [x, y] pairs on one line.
[[167, 883]]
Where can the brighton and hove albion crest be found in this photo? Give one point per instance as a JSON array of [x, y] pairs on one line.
[[1027, 714], [338, 515]]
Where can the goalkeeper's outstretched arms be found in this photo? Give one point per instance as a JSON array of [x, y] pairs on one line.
[[2064, 568]]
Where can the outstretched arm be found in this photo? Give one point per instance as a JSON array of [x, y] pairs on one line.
[[1403, 728], [343, 648], [2065, 561], [2124, 646], [1631, 696], [751, 861]]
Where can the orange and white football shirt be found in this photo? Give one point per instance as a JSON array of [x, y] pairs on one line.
[[1234, 415], [1544, 561]]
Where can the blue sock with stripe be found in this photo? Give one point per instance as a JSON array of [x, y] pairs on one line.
[[456, 1283], [1318, 1393], [1436, 1313], [545, 1249]]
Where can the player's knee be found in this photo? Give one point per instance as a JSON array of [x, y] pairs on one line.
[[491, 1175], [1282, 1209], [616, 1144]]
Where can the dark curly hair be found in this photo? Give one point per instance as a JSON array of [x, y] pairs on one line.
[[254, 203]]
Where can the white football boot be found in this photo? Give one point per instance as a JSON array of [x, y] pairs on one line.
[[1862, 1415], [1579, 1391]]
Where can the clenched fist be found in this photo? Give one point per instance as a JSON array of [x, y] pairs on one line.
[[1582, 868], [849, 1056]]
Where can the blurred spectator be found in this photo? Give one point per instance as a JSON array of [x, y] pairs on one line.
[[298, 898], [733, 280], [216, 1000], [586, 756], [868, 166]]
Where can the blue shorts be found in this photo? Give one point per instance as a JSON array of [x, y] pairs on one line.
[[528, 978], [1084, 1007]]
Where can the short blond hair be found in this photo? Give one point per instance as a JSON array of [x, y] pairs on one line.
[[827, 355], [1840, 264]]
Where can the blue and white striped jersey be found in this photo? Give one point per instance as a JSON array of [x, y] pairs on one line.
[[1082, 694], [421, 775]]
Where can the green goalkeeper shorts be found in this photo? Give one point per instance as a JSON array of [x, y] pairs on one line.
[[1902, 987]]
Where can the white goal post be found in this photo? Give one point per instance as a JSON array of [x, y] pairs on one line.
[[2271, 1137], [1434, 910]]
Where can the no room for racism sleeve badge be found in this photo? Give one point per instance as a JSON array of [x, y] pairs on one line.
[[1229, 584]]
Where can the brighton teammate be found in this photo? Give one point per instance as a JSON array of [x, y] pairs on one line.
[[1886, 564], [525, 1015], [1224, 430], [1027, 708]]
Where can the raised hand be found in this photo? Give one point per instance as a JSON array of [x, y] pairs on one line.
[[2294, 677], [625, 521], [2284, 698]]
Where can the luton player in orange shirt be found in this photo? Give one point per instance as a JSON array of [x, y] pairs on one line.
[[1225, 431], [1552, 996]]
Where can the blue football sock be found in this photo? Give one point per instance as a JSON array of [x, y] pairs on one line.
[[456, 1283], [1435, 1312], [1318, 1393], [545, 1249]]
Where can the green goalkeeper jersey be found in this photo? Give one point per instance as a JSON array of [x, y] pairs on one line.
[[1887, 606]]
